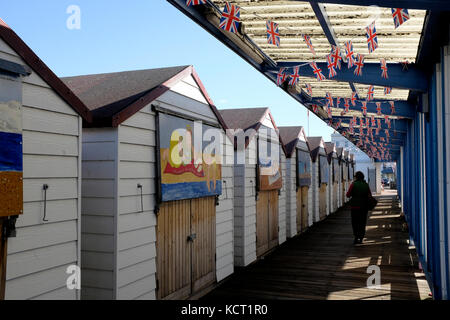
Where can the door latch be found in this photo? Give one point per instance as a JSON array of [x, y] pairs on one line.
[[192, 237]]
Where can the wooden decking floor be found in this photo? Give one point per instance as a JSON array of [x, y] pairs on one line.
[[323, 263]]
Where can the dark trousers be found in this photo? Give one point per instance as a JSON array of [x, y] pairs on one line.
[[359, 222]]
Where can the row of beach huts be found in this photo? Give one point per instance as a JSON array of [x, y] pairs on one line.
[[108, 187]]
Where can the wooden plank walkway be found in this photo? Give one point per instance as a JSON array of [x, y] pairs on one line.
[[323, 263]]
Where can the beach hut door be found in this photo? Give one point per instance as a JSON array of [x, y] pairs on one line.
[[186, 245], [266, 221]]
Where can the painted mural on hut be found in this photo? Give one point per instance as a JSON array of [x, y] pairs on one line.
[[11, 163], [190, 167], [269, 165], [324, 167], [304, 168]]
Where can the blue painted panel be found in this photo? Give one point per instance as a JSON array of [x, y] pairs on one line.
[[10, 152]]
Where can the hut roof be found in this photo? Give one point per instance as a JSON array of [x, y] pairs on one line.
[[38, 66], [114, 97], [290, 136], [314, 144]]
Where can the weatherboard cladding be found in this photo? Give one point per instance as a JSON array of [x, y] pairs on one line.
[[119, 241], [245, 182], [40, 254]]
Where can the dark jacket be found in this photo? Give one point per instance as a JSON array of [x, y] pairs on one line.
[[359, 192]]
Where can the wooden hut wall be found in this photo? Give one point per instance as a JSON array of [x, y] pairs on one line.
[[40, 254], [119, 236]]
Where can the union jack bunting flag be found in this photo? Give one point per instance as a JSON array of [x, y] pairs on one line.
[[353, 121], [387, 121], [349, 54], [400, 16], [295, 76], [359, 65], [330, 66], [329, 112], [371, 34], [353, 98], [338, 102], [379, 123], [195, 2], [329, 100], [273, 35], [346, 105], [377, 131], [373, 122], [369, 132], [231, 16], [281, 76], [370, 93], [382, 139], [339, 124], [317, 71], [387, 90], [315, 108], [386, 131], [378, 108], [364, 108], [384, 69], [336, 54], [309, 89], [309, 44], [351, 130], [392, 103]]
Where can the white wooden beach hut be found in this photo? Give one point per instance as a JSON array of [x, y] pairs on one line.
[[320, 177], [341, 195], [298, 180], [346, 168], [333, 185], [157, 218], [46, 119], [259, 203]]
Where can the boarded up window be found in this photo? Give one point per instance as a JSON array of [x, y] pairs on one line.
[[303, 168], [11, 163], [189, 167], [324, 168]]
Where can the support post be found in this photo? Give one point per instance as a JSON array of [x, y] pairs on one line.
[[3, 256]]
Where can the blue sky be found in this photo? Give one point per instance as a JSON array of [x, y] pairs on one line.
[[143, 34]]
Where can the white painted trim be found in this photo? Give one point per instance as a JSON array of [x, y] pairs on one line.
[[80, 160]]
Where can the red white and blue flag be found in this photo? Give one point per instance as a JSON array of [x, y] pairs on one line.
[[329, 112], [317, 71], [373, 122], [295, 76], [309, 44], [379, 124], [349, 54], [370, 93], [386, 131], [336, 54], [330, 66], [281, 76], [384, 69], [338, 102], [195, 2], [371, 34], [231, 16], [309, 89], [273, 35], [387, 121], [392, 107], [329, 100], [364, 108], [359, 65], [346, 105], [378, 108], [387, 90], [400, 16], [353, 99], [315, 108]]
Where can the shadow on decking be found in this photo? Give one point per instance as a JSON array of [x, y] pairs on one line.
[[323, 263]]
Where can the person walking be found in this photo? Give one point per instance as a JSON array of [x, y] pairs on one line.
[[360, 194]]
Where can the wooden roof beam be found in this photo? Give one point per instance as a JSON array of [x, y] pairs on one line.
[[439, 5]]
